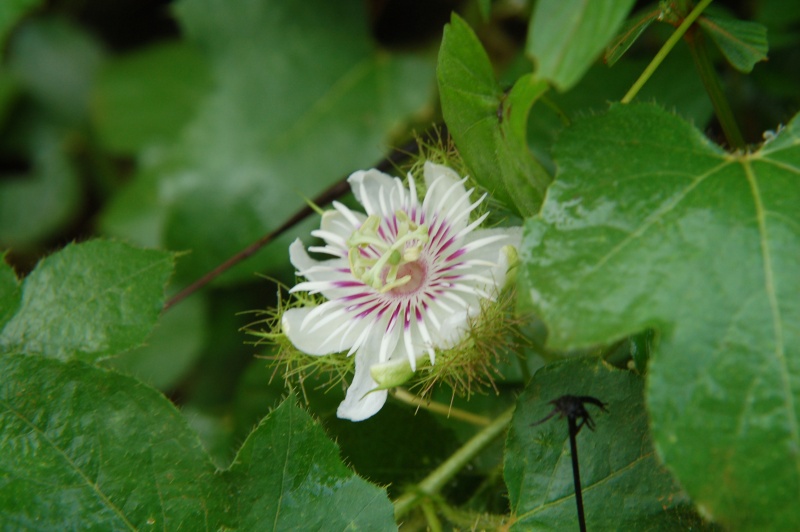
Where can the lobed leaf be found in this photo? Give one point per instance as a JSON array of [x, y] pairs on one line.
[[86, 449], [489, 127], [89, 301], [649, 225], [303, 483], [566, 36], [742, 42]]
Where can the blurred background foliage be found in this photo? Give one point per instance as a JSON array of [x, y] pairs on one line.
[[199, 127]]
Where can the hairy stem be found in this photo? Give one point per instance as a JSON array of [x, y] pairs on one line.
[[713, 87], [439, 408], [434, 482], [665, 50]]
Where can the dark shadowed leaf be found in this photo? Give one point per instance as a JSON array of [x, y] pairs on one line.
[[744, 43], [9, 291], [629, 33], [624, 484]]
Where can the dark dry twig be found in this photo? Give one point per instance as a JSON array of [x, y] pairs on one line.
[[337, 190], [572, 407]]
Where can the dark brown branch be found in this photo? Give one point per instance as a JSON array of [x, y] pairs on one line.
[[338, 190]]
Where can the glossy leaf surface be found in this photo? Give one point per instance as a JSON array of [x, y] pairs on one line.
[[658, 228], [288, 475], [87, 449], [89, 301]]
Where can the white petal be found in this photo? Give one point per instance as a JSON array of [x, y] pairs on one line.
[[433, 171], [366, 186], [354, 218], [336, 227], [320, 274], [485, 244], [324, 340], [362, 399]]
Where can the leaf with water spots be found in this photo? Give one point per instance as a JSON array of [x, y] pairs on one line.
[[649, 225]]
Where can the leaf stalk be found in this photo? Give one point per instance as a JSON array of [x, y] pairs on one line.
[[705, 68], [664, 51], [440, 476]]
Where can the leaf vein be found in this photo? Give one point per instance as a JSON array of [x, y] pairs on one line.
[[94, 487]]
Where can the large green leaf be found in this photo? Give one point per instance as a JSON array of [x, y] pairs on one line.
[[301, 97], [288, 476], [566, 36], [624, 485], [650, 225], [489, 127], [149, 96], [86, 449], [89, 301]]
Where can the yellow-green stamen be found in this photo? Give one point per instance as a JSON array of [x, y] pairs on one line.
[[401, 251]]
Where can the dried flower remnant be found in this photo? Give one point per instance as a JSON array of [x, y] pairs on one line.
[[405, 279]]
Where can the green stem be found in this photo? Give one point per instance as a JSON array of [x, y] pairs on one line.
[[705, 67], [434, 525], [438, 408], [431, 484], [665, 50]]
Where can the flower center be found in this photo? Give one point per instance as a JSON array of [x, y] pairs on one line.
[[397, 263]]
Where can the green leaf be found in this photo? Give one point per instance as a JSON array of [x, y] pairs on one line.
[[89, 301], [92, 450], [623, 482], [315, 102], [566, 36], [629, 33], [742, 42], [171, 349], [11, 12], [36, 205], [49, 53], [288, 476], [649, 225], [489, 127], [9, 291], [148, 96]]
